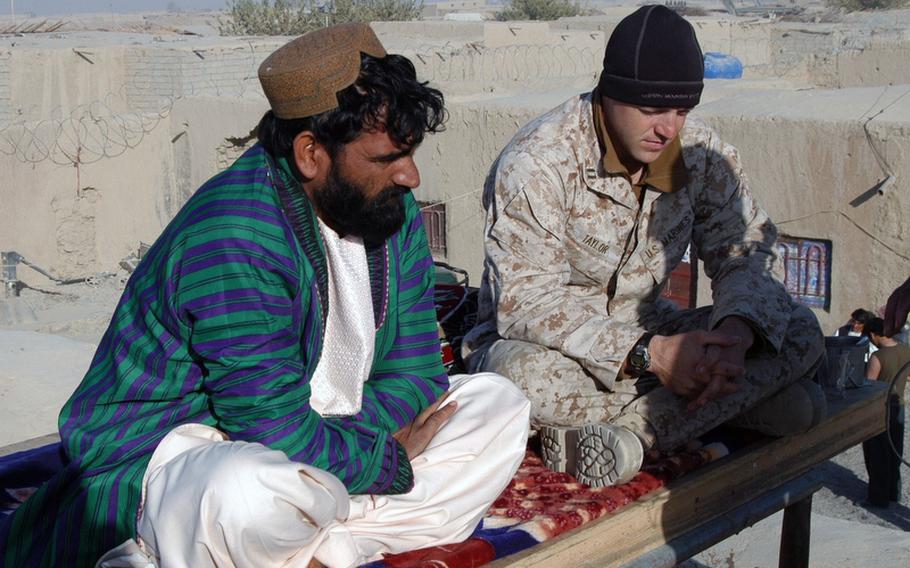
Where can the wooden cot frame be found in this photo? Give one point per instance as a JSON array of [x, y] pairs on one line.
[[708, 505]]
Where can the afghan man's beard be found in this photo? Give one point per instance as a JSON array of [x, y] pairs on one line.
[[346, 209]]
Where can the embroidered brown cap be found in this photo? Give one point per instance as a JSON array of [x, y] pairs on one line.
[[301, 78]]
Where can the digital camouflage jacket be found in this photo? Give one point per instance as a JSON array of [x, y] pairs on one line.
[[571, 265]]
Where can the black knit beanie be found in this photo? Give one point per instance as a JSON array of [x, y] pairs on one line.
[[653, 59]]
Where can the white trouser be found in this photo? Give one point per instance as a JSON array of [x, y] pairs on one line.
[[209, 502]]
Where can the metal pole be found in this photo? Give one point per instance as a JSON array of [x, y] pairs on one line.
[[8, 261], [794, 535]]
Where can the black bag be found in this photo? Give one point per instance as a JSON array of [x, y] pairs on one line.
[[844, 366]]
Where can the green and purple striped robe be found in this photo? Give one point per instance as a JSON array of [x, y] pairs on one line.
[[222, 324]]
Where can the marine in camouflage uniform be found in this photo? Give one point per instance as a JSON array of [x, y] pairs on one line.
[[576, 257]]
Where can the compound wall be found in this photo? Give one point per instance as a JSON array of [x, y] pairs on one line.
[[104, 136], [817, 162]]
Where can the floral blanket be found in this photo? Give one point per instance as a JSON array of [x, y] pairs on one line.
[[540, 504]]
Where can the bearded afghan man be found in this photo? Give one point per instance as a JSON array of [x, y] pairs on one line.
[[270, 390]]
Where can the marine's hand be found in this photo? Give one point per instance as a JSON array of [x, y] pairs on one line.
[[723, 364], [416, 436], [718, 373], [896, 309], [674, 359]]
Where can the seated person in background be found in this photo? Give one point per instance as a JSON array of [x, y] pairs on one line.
[[270, 389], [882, 461], [856, 324], [856, 327], [588, 210]]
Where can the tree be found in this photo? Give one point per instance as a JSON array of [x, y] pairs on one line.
[[296, 17], [540, 10]]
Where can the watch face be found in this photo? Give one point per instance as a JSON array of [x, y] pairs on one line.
[[639, 359]]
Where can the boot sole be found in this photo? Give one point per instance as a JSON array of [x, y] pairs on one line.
[[597, 455]]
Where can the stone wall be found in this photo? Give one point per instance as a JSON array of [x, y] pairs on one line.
[[100, 148], [77, 220], [496, 58], [831, 55], [158, 76], [815, 170]]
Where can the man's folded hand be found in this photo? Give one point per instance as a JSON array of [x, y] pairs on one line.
[[416, 436]]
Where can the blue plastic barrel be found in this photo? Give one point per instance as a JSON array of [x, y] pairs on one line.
[[722, 66]]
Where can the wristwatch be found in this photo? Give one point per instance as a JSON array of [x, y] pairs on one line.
[[640, 357]]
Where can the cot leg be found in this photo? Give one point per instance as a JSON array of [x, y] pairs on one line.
[[794, 537]]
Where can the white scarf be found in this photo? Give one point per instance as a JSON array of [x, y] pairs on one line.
[[347, 350]]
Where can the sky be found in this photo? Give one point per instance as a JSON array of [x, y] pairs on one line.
[[62, 7]]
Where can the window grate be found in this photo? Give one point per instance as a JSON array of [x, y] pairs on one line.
[[807, 270], [434, 221]]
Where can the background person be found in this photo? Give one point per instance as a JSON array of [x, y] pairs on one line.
[[855, 326], [883, 452]]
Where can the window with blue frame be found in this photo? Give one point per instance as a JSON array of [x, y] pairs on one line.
[[807, 270]]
